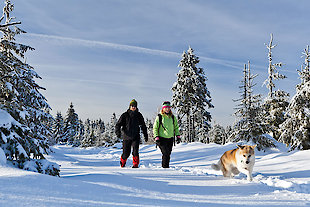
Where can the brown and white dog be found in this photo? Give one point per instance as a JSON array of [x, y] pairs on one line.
[[241, 159]]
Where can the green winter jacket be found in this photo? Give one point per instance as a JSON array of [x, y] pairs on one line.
[[168, 131]]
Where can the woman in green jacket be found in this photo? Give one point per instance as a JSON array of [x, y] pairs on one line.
[[165, 129]]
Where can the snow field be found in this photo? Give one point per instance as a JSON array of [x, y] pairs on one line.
[[92, 177]]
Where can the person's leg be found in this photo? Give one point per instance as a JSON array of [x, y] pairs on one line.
[[126, 152], [169, 149], [135, 153], [166, 148]]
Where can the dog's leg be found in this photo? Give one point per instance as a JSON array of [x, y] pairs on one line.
[[248, 173], [235, 171], [227, 173], [250, 177]]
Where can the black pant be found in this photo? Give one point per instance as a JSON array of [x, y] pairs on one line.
[[165, 145], [127, 144]]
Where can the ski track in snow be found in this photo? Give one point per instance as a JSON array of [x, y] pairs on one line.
[[92, 177], [281, 185]]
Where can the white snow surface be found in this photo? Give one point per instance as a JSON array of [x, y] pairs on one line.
[[6, 120], [92, 177]]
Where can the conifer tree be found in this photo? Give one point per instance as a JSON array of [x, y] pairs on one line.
[[89, 137], [71, 125], [296, 128], [191, 96], [80, 134], [277, 100], [109, 134], [217, 134], [250, 125], [203, 130], [93, 133], [149, 126], [229, 132], [99, 130], [24, 138], [58, 128]]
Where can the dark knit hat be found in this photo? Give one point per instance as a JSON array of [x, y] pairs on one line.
[[133, 102]]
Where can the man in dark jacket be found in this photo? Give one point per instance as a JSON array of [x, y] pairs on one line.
[[128, 127]]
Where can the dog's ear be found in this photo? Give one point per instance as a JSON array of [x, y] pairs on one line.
[[253, 146], [240, 146]]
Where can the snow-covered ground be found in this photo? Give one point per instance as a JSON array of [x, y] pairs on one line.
[[92, 177]]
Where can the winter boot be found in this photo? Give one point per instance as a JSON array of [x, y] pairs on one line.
[[123, 162], [135, 161]]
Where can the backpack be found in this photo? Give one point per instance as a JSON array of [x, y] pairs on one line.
[[161, 121]]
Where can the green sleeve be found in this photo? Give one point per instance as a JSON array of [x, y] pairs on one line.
[[156, 127], [176, 127]]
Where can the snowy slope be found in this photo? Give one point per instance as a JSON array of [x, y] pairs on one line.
[[92, 177]]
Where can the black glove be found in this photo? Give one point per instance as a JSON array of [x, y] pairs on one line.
[[146, 138], [178, 140], [157, 140]]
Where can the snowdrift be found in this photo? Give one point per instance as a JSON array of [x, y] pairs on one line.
[[92, 177]]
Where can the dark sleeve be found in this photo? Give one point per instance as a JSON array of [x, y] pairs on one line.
[[118, 125], [143, 126]]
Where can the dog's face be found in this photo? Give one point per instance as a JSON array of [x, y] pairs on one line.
[[246, 154]]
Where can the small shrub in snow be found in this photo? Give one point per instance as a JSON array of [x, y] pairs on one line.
[[42, 166]]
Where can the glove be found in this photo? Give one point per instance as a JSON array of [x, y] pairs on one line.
[[178, 139], [146, 138], [157, 140]]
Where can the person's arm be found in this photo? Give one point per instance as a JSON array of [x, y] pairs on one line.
[[144, 128], [118, 126], [156, 127], [176, 127]]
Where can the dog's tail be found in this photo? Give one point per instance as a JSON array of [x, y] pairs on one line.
[[216, 166]]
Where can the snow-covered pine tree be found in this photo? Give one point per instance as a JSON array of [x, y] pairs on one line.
[[99, 130], [106, 136], [49, 123], [276, 101], [89, 138], [80, 134], [203, 132], [109, 135], [296, 128], [304, 73], [149, 127], [58, 128], [229, 132], [191, 97], [250, 125], [94, 133], [217, 134], [72, 125], [23, 107]]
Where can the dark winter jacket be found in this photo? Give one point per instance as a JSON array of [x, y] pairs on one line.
[[128, 126]]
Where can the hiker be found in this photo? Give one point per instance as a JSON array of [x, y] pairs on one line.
[[128, 127], [165, 130]]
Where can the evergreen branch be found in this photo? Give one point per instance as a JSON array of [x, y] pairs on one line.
[[9, 24]]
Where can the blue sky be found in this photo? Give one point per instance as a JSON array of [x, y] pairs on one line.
[[99, 54]]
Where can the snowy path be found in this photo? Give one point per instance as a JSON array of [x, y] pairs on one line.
[[92, 177]]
